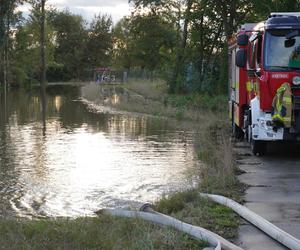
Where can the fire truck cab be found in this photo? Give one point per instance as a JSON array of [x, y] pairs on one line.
[[262, 57]]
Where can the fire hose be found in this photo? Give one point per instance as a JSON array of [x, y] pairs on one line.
[[197, 232], [276, 233]]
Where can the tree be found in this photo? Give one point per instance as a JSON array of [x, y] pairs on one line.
[[26, 56], [39, 7], [123, 44], [182, 14], [99, 45], [7, 18], [152, 37], [43, 38], [174, 81], [70, 43], [263, 8]]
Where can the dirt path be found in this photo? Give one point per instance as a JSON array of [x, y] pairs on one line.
[[273, 193]]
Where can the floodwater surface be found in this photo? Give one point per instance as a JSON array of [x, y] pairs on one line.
[[86, 157]]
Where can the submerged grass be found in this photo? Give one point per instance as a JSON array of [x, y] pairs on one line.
[[155, 100], [158, 90], [155, 90], [218, 175]]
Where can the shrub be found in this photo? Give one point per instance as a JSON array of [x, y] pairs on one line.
[[17, 76], [58, 72]]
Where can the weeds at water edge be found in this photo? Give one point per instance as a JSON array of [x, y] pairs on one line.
[[103, 232]]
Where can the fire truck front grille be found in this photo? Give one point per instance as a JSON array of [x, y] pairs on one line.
[[296, 102]]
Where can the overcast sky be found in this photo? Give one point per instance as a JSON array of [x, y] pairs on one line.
[[88, 8]]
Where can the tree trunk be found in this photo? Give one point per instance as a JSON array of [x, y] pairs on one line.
[[4, 68], [43, 57], [174, 87], [6, 48], [1, 43], [43, 66], [201, 47], [5, 15]]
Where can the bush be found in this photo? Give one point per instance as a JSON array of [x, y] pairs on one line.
[[17, 77], [58, 72], [217, 102], [199, 101]]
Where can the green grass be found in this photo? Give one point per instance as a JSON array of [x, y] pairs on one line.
[[199, 101], [188, 206], [191, 208], [103, 232]]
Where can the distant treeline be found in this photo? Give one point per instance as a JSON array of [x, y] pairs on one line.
[[182, 41]]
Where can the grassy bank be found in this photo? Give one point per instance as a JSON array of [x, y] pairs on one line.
[[207, 115], [103, 232]]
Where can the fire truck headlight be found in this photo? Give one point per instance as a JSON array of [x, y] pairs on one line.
[[262, 123], [296, 80]]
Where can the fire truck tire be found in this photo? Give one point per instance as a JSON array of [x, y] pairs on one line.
[[258, 147]]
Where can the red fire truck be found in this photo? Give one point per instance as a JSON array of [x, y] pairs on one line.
[[262, 57]]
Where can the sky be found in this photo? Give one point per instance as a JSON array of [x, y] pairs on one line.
[[88, 8]]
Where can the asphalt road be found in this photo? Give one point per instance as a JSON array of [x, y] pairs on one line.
[[273, 193]]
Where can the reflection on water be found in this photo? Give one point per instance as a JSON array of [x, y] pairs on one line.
[[86, 160]]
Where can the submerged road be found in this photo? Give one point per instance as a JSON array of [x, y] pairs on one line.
[[273, 193]]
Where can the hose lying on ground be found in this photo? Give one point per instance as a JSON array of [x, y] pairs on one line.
[[197, 232], [225, 244], [276, 233]]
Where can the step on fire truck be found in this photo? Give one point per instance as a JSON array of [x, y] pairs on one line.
[[264, 77]]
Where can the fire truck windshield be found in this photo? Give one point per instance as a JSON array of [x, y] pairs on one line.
[[281, 54]]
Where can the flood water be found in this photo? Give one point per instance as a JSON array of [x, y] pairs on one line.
[[87, 157]]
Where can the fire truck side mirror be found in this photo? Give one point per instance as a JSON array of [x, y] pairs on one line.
[[241, 58], [242, 40]]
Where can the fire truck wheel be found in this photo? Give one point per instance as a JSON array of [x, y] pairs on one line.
[[258, 147]]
